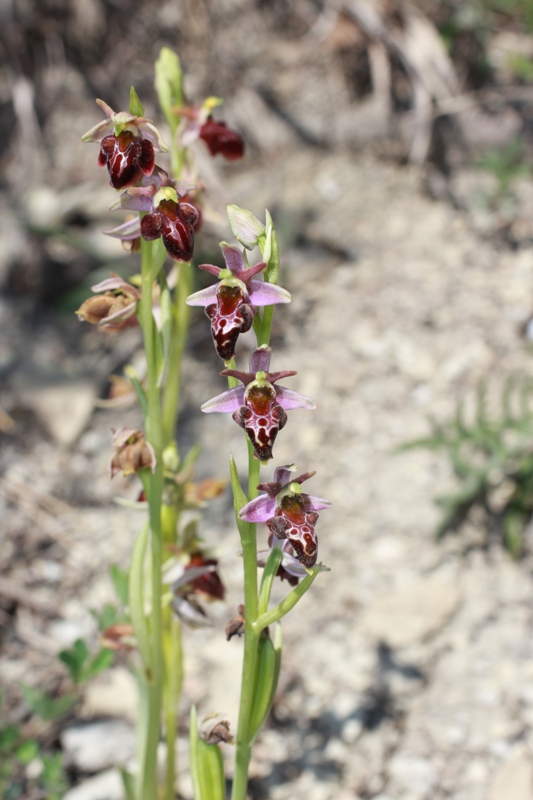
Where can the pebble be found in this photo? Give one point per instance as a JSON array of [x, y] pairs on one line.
[[105, 786], [95, 746]]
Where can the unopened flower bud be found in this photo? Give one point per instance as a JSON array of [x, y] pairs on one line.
[[245, 227]]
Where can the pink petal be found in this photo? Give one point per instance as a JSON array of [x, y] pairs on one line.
[[131, 229], [210, 268], [97, 133], [233, 257], [247, 274], [120, 316], [116, 282], [225, 403], [259, 509], [289, 399], [108, 111], [282, 475], [267, 294], [260, 359], [205, 297], [312, 503]]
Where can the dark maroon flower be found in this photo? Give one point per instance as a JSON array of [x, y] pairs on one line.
[[174, 222], [127, 157], [208, 583], [127, 145], [192, 202], [221, 139]]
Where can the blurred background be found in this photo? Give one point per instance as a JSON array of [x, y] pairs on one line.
[[392, 144]]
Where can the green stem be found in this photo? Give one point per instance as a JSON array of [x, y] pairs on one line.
[[286, 605], [180, 326], [154, 435], [173, 681], [251, 639]]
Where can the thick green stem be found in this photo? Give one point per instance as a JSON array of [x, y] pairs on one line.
[[173, 682], [154, 434], [251, 639], [180, 327]]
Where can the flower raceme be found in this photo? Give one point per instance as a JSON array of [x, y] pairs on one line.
[[258, 406], [127, 146], [232, 305], [289, 513]]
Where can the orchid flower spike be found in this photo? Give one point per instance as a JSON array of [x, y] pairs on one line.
[[127, 145], [232, 305], [258, 406], [288, 512]]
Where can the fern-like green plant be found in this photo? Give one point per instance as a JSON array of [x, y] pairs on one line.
[[490, 456]]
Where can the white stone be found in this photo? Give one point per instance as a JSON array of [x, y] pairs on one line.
[[105, 786], [96, 746], [514, 780], [113, 694], [414, 774]]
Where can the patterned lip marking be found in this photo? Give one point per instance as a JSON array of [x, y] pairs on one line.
[[262, 418], [127, 158], [230, 316], [292, 522]]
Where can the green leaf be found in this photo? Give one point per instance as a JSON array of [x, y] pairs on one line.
[[106, 617], [128, 781], [45, 706], [239, 498], [169, 86], [102, 661], [74, 659], [136, 597], [27, 751], [9, 737], [53, 777], [120, 579], [288, 603], [136, 107]]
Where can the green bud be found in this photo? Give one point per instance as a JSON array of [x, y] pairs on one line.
[[136, 107], [266, 681], [169, 85], [245, 227]]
